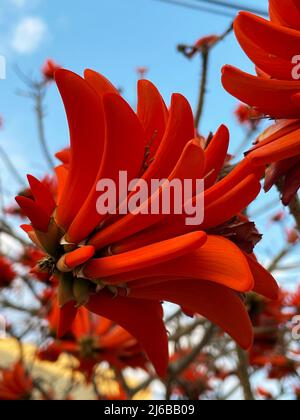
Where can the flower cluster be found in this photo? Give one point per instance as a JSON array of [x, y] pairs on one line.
[[274, 92], [122, 268]]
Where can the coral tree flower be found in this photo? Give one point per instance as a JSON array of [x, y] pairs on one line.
[[123, 267], [7, 273], [15, 384], [48, 70], [275, 91], [93, 340], [248, 116]]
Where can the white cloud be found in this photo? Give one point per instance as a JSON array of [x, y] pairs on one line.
[[28, 35]]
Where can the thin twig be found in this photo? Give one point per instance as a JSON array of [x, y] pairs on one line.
[[10, 305], [243, 374], [178, 367], [41, 129], [11, 167], [282, 254], [5, 228], [295, 211], [202, 93]]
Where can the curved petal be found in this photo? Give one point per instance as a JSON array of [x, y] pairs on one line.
[[271, 97], [278, 169], [121, 140], [86, 124], [144, 258], [228, 205], [218, 260], [62, 178], [232, 180], [117, 337], [265, 283], [67, 315], [42, 195], [285, 12], [284, 147], [99, 83], [82, 324], [64, 156], [141, 318], [222, 202], [179, 130], [215, 155], [270, 46], [219, 304], [280, 129], [39, 218], [153, 114], [189, 166], [291, 184]]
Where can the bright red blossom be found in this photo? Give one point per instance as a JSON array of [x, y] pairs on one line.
[[93, 340], [15, 384], [7, 273], [123, 267], [49, 69], [248, 116], [275, 92]]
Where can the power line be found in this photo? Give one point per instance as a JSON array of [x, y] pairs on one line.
[[197, 7], [234, 6]]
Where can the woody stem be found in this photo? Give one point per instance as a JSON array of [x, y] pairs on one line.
[[243, 374], [295, 211], [41, 128], [203, 83], [11, 167]]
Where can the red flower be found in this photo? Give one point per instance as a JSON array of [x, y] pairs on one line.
[[31, 259], [199, 46], [285, 13], [15, 384], [282, 367], [248, 116], [7, 273], [262, 392], [293, 300], [48, 70], [278, 217], [293, 236], [274, 92], [49, 183], [206, 41], [142, 72], [93, 340], [122, 268], [196, 379]]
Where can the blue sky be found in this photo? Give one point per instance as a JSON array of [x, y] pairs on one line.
[[113, 37]]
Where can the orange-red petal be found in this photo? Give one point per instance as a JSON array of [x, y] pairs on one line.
[[86, 124], [215, 155], [141, 318], [153, 114], [270, 97], [218, 260], [121, 140], [265, 283], [217, 303], [143, 258]]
